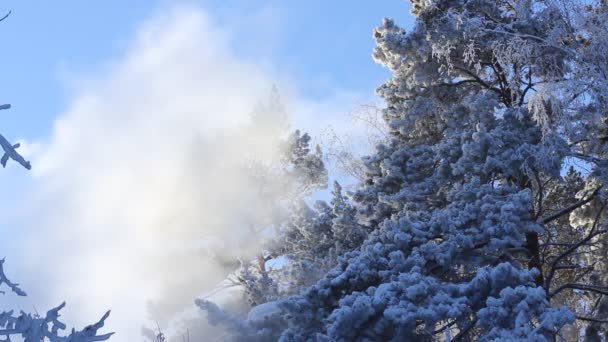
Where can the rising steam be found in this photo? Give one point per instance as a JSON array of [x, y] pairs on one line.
[[141, 188]]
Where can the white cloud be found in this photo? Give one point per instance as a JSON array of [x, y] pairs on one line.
[[138, 171], [142, 170]]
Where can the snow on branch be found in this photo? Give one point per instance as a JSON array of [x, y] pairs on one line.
[[4, 280], [36, 328]]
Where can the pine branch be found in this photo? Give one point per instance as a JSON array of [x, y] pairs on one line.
[[603, 290], [479, 80], [591, 235], [6, 16], [4, 280], [570, 208], [453, 84], [539, 39], [594, 320]]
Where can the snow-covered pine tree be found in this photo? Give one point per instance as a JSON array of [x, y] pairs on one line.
[[282, 174], [295, 230], [455, 250], [476, 234], [315, 237], [304, 239], [579, 110]]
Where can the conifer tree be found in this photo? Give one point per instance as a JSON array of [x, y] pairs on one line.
[[476, 230]]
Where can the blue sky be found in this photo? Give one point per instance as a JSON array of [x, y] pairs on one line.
[[322, 44], [131, 116]]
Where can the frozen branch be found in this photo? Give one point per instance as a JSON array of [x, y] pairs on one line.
[[4, 280]]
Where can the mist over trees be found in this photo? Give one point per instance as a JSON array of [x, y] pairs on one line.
[[475, 219]]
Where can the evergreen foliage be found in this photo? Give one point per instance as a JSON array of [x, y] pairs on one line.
[[469, 224]]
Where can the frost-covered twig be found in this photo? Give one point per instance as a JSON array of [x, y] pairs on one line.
[[34, 328], [539, 39], [6, 15], [4, 280]]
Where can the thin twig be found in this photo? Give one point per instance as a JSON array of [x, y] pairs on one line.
[[6, 16]]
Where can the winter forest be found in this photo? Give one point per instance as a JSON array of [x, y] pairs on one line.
[[470, 206]]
